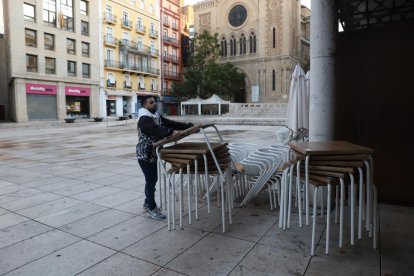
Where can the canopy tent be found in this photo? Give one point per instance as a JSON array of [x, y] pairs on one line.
[[213, 100]]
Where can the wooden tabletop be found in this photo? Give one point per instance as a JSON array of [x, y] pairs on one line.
[[329, 147]]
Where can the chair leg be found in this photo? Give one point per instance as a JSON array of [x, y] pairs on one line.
[[189, 184], [299, 193], [328, 219], [361, 180], [352, 207], [196, 187], [341, 213], [181, 199], [315, 195]]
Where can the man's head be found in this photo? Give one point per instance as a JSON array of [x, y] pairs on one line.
[[148, 102]]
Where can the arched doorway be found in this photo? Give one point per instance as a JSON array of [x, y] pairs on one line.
[[241, 95]]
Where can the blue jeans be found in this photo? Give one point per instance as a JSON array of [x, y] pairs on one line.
[[151, 177]]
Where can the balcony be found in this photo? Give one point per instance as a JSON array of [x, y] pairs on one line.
[[138, 69], [166, 23], [127, 84], [127, 24], [171, 58], [110, 83], [154, 52], [141, 29], [172, 75], [174, 26], [141, 86], [170, 40], [134, 47], [167, 91], [109, 40], [109, 18], [176, 2], [154, 87], [153, 33]]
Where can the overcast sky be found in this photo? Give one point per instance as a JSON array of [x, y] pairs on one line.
[[190, 2]]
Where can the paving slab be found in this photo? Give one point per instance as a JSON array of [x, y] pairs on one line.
[[21, 231], [49, 207], [33, 248], [212, 255], [121, 265], [96, 193], [167, 272], [76, 189], [69, 215], [126, 233], [30, 201], [163, 246], [117, 198], [18, 195], [11, 219], [96, 223], [67, 261]]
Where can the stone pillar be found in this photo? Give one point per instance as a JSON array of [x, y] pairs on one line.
[[324, 27], [61, 101]]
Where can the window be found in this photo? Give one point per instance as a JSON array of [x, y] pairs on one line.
[[142, 4], [273, 80], [111, 82], [49, 42], [31, 63], [233, 46], [252, 42], [49, 12], [83, 7], [223, 47], [151, 9], [84, 28], [141, 84], [66, 15], [50, 65], [86, 70], [242, 42], [127, 81], [72, 68], [274, 37], [237, 15], [29, 12], [30, 38], [85, 49], [71, 46]]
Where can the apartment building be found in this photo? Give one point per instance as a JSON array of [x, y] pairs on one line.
[[171, 52], [52, 57], [130, 65]]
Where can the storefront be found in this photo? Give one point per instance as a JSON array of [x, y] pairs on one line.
[[171, 105], [77, 101], [41, 101]]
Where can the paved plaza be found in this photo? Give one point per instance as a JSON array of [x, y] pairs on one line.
[[71, 200]]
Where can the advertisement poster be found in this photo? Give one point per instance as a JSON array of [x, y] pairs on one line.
[[77, 107]]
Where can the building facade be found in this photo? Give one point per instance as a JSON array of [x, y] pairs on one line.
[[130, 58], [51, 50], [263, 39]]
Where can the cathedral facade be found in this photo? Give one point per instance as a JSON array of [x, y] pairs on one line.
[[264, 39]]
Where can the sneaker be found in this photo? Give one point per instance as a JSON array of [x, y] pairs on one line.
[[145, 206], [156, 214]]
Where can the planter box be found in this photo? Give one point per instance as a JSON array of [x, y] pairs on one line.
[[98, 119], [70, 120]]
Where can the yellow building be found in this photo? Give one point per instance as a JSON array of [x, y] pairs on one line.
[[130, 54]]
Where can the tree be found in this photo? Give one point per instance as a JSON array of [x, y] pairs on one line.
[[204, 76]]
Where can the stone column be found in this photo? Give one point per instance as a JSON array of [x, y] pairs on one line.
[[324, 26]]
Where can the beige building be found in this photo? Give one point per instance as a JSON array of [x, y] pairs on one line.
[[53, 59], [264, 39], [130, 54]]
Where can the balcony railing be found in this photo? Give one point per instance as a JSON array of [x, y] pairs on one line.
[[170, 40], [171, 58], [154, 87], [127, 24], [166, 23], [110, 18], [110, 83], [172, 74], [139, 28], [127, 84], [154, 52], [174, 26], [141, 86], [110, 40], [136, 68], [153, 33], [167, 91], [176, 2]]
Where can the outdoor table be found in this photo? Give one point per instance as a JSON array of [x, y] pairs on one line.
[[338, 153]]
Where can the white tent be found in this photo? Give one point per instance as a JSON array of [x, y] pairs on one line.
[[213, 100], [298, 106]]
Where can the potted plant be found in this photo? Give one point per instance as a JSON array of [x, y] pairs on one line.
[[98, 119]]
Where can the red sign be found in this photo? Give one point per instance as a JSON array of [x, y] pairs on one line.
[[77, 91], [43, 89]]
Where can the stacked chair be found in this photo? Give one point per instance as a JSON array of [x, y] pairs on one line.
[[196, 164], [338, 171]]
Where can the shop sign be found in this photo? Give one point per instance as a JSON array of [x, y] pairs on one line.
[[77, 91], [43, 89]]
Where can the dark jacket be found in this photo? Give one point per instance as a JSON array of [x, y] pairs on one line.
[[151, 131]]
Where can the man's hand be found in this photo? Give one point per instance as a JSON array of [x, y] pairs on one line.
[[175, 134]]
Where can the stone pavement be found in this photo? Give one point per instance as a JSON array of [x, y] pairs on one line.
[[71, 204]]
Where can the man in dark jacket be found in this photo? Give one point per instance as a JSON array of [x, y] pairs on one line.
[[152, 127]]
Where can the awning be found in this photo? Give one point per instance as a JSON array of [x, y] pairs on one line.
[[113, 92], [143, 93]]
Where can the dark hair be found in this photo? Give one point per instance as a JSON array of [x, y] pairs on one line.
[[144, 99]]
